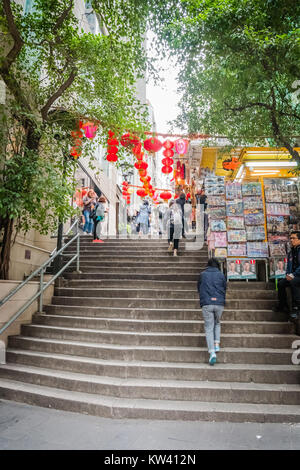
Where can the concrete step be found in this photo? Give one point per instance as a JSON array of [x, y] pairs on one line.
[[108, 407], [229, 368], [157, 303], [148, 338], [155, 389], [252, 287], [152, 261], [72, 345], [156, 313], [123, 292], [115, 266], [191, 326]]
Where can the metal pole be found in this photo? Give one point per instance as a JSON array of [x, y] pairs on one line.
[[78, 250], [41, 291]]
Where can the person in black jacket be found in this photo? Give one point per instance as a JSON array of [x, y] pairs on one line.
[[291, 280], [212, 294]]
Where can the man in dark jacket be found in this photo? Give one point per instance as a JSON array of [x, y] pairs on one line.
[[292, 280], [212, 294]]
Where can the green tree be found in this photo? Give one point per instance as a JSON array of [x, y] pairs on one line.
[[56, 74], [240, 64]]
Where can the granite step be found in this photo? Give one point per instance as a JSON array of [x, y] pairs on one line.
[[109, 407], [229, 368], [156, 313], [281, 353], [155, 389], [192, 326]]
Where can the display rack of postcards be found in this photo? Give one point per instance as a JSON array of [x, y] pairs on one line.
[[236, 232], [254, 217], [282, 208], [216, 209]]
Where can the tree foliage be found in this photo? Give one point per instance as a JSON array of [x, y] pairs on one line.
[[55, 74], [239, 63]]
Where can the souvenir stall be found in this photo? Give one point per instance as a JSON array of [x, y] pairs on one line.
[[250, 218]]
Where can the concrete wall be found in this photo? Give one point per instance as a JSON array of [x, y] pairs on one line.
[[17, 301]]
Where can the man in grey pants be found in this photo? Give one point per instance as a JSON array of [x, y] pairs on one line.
[[212, 294]]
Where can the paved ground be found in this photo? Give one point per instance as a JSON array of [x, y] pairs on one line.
[[24, 427]]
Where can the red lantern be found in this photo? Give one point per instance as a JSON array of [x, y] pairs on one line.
[[152, 145], [112, 149], [143, 173], [168, 144], [167, 169], [165, 195], [141, 165], [112, 157], [129, 140], [167, 161], [141, 192], [168, 153]]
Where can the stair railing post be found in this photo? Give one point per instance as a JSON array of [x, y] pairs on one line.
[[78, 249], [41, 291]]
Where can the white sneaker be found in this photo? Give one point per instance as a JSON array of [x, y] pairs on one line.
[[175, 253]]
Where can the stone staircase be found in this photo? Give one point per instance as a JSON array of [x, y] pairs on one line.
[[125, 339]]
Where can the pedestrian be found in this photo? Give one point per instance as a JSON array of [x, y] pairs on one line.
[[181, 202], [212, 294], [172, 223], [89, 202], [202, 200], [144, 218], [98, 215], [291, 281]]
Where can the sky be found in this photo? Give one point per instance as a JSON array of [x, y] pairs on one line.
[[164, 98]]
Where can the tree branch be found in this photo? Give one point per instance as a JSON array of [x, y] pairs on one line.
[[12, 28], [58, 93], [63, 16], [249, 105], [276, 130]]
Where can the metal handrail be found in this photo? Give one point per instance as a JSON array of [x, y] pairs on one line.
[[43, 286]]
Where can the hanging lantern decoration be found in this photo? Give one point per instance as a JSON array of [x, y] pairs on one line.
[[167, 169], [165, 195], [168, 154], [152, 145], [112, 147], [181, 146], [141, 165], [125, 192], [90, 129], [129, 140], [141, 192], [75, 151]]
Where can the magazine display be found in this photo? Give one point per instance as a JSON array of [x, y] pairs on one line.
[[277, 209], [278, 267], [255, 232], [218, 225], [220, 239], [278, 238], [257, 250], [252, 203], [236, 236], [277, 249], [217, 212], [255, 218], [277, 224], [237, 249], [251, 189], [214, 186], [233, 191], [221, 253], [273, 191], [234, 208], [235, 222], [241, 269], [216, 201]]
